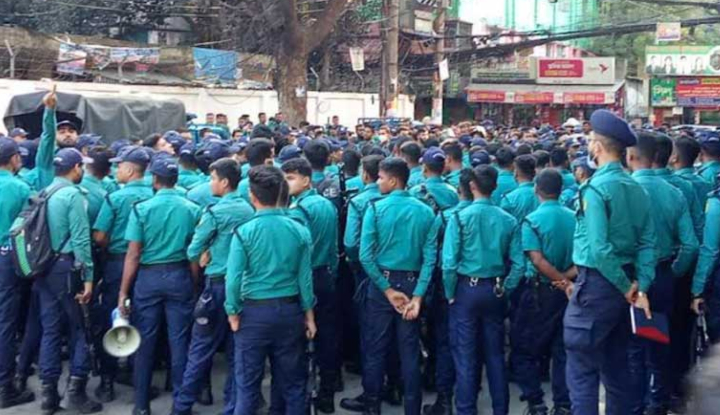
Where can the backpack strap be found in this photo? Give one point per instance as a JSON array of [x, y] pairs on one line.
[[47, 195], [588, 186], [456, 214], [429, 198]]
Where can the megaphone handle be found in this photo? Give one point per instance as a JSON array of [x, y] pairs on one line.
[[127, 303]]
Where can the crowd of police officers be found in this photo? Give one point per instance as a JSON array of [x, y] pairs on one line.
[[227, 246]]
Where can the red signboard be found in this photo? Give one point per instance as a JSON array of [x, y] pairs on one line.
[[560, 68], [698, 92], [486, 96], [534, 97], [584, 98]]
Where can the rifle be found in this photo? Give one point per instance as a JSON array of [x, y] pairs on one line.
[[312, 386], [702, 340], [76, 285]]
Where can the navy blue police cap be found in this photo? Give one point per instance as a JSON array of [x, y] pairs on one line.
[[69, 157], [8, 148], [132, 154], [289, 152], [433, 155], [164, 167], [608, 124]]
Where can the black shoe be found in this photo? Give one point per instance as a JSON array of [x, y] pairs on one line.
[[50, 400], [537, 409], [78, 399], [205, 398], [353, 367], [656, 411], [9, 397], [442, 406], [392, 395], [372, 408], [137, 411], [124, 378], [356, 404], [154, 393], [561, 410], [20, 383], [105, 392], [325, 403], [339, 384]]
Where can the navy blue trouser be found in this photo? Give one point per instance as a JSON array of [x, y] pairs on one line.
[[712, 301], [161, 290], [477, 330], [597, 334], [207, 339], [444, 366], [648, 361], [9, 309], [327, 339], [538, 332], [56, 300], [107, 298], [30, 346], [275, 330], [384, 323]]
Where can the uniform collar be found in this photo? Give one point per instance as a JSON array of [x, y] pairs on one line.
[[399, 193], [317, 176], [643, 173], [416, 169], [270, 212], [663, 171], [136, 183], [434, 179], [5, 173], [306, 193], [609, 168], [371, 186], [526, 184], [711, 163], [231, 196], [168, 192], [550, 203], [87, 177], [453, 173], [464, 203], [685, 171], [482, 201], [503, 172], [186, 172], [62, 180]]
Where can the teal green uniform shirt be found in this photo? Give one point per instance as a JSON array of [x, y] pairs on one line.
[[109, 184], [696, 209], [332, 170], [441, 222], [202, 195], [115, 212], [164, 225], [321, 218], [215, 230], [568, 197], [521, 201], [416, 177], [615, 228], [506, 183], [244, 169], [709, 171], [674, 230], [14, 194], [45, 171], [270, 257], [355, 213], [317, 177], [355, 183], [399, 234], [702, 188], [710, 249], [189, 178], [480, 241], [453, 178], [466, 160], [68, 221], [28, 176], [568, 179], [95, 194], [549, 230], [244, 189], [436, 190]]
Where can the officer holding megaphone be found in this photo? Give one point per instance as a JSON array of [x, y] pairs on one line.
[[122, 340]]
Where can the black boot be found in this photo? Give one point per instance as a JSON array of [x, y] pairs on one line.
[[105, 392], [20, 383], [325, 402], [371, 407], [50, 402], [537, 409], [356, 404], [78, 399], [9, 396], [339, 383], [392, 395], [442, 406], [561, 410]]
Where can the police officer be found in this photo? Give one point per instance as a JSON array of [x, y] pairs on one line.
[[14, 194], [70, 236], [92, 181], [674, 232], [158, 232], [710, 157], [259, 152], [109, 234], [356, 211], [547, 239], [190, 175], [454, 163], [506, 183], [269, 296], [209, 247], [434, 191], [398, 252], [411, 152], [682, 160], [207, 153], [559, 160], [614, 252], [583, 168], [479, 241], [522, 201], [321, 218]]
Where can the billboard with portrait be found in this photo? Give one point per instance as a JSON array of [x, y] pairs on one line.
[[682, 60]]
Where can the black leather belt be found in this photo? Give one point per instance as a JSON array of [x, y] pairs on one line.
[[293, 299]]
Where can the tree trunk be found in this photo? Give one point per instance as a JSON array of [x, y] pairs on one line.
[[292, 83]]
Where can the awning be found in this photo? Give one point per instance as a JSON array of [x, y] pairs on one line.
[[543, 94]]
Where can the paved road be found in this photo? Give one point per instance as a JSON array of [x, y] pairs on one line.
[[161, 406]]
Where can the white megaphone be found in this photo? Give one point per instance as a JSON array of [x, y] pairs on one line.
[[122, 340]]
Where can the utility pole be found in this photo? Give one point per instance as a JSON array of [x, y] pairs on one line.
[[439, 29], [12, 58], [391, 39]]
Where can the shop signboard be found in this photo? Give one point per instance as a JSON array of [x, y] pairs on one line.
[[590, 98], [698, 92], [486, 96], [579, 71], [668, 60], [662, 92], [512, 67], [534, 97]]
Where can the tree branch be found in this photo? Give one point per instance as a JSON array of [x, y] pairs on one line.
[[289, 11], [705, 5], [325, 24]]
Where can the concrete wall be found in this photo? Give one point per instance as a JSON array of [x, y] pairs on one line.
[[321, 105]]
